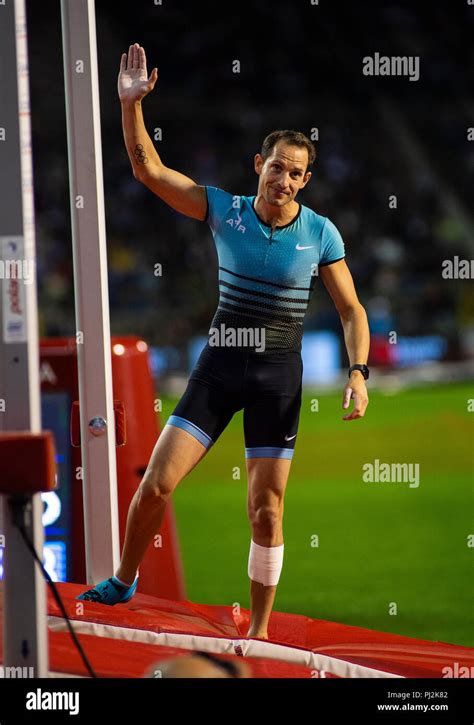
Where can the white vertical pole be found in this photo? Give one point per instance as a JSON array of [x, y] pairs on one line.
[[91, 288], [24, 617]]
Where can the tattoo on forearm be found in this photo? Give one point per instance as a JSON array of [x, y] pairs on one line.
[[139, 154]]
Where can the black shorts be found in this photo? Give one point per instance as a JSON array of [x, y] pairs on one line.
[[267, 386]]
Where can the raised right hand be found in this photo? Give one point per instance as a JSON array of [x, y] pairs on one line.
[[133, 82]]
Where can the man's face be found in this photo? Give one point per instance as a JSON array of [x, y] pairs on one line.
[[282, 175]]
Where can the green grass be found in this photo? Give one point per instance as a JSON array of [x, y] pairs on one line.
[[379, 543]]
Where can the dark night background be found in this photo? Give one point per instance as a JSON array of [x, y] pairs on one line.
[[301, 67]]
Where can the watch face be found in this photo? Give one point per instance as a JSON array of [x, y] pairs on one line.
[[362, 368]]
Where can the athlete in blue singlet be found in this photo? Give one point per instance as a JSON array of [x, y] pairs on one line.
[[266, 278], [268, 273], [271, 250]]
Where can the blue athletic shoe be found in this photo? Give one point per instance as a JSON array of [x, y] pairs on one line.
[[110, 591]]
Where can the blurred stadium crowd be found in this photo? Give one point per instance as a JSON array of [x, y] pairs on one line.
[[301, 68]]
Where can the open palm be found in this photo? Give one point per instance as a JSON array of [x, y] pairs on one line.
[[133, 82]]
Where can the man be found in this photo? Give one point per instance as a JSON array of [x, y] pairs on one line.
[[199, 664], [270, 250]]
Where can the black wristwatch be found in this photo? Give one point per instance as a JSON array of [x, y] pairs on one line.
[[363, 369]]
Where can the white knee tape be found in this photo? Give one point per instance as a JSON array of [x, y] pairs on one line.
[[265, 563]]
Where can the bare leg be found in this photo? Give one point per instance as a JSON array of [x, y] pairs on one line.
[[262, 598], [175, 454], [267, 478]]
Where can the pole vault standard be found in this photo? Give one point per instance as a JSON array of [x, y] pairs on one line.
[[24, 615], [90, 288], [24, 620]]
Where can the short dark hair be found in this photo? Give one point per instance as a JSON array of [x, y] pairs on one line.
[[295, 138]]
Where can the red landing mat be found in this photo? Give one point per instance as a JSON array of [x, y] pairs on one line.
[[128, 640]]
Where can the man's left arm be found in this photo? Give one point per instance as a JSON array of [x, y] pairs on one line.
[[339, 283]]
